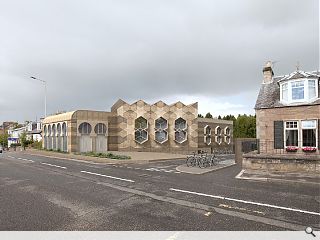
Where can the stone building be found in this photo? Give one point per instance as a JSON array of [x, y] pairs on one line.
[[288, 113], [288, 123], [139, 126]]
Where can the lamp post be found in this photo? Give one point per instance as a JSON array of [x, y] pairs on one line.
[[45, 93]]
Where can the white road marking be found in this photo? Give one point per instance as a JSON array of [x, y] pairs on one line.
[[52, 165], [24, 159], [98, 174], [247, 202], [137, 168], [10, 157]]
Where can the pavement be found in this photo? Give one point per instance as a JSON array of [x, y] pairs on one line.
[[274, 176], [135, 157], [47, 193], [223, 163]]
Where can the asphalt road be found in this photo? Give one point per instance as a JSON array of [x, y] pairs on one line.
[[44, 193]]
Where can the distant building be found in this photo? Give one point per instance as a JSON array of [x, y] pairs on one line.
[[32, 129], [137, 127], [288, 112]]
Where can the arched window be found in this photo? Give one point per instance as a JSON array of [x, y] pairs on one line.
[[180, 128], [53, 130], [84, 128], [59, 129], [64, 129], [227, 133], [100, 129], [161, 133], [218, 136], [207, 135], [141, 130], [49, 130]]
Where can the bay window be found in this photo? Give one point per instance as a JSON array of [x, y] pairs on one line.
[[298, 90]]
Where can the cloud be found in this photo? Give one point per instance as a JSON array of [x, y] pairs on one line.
[[91, 54]]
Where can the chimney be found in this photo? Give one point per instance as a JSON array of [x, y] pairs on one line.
[[267, 73]]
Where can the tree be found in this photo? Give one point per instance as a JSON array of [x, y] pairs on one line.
[[23, 140], [219, 117], [208, 115], [4, 139], [200, 115]]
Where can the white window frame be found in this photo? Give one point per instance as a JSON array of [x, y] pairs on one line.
[[285, 129], [305, 128], [305, 88], [300, 128]]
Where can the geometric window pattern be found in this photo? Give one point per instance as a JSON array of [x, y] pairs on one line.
[[141, 130], [180, 128], [227, 137], [100, 129], [207, 135], [84, 128], [161, 126], [218, 137]]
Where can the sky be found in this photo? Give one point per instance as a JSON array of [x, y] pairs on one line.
[[91, 53]]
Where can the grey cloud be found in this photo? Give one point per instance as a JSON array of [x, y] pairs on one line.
[[92, 53]]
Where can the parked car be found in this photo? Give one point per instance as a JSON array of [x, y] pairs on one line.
[[0, 149]]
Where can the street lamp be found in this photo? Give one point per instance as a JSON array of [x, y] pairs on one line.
[[45, 93]]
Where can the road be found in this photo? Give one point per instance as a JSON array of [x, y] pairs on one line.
[[44, 193]]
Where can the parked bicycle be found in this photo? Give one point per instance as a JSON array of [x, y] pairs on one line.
[[202, 160]]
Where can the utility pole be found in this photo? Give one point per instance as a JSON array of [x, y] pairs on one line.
[[45, 94]]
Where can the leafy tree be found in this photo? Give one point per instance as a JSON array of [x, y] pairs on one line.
[[200, 115], [244, 126], [23, 140], [219, 117], [208, 115], [4, 139]]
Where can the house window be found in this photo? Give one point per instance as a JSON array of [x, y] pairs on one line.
[[291, 133], [285, 91], [299, 91], [309, 133], [312, 88]]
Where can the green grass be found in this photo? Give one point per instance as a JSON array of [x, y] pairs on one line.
[[105, 155]]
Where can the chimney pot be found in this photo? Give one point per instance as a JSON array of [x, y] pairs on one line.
[[267, 73]]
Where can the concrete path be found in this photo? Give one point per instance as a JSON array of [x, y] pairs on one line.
[[294, 177], [196, 170], [136, 157]]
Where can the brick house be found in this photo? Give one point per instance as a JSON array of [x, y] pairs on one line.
[[288, 113]]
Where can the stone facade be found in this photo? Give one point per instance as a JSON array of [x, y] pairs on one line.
[[166, 128], [267, 117]]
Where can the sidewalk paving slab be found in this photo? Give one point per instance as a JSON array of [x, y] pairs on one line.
[[272, 176], [136, 157], [196, 170]]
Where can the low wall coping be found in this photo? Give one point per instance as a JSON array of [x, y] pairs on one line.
[[282, 156]]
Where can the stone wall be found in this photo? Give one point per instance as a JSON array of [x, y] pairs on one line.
[[213, 124], [266, 118], [128, 113], [281, 163]]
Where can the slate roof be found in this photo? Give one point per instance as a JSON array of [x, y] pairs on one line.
[[269, 94]]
